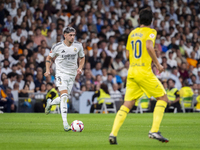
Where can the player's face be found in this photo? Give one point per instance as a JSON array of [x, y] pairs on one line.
[[70, 36]]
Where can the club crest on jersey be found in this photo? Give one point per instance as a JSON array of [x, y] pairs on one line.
[[152, 35], [75, 49]]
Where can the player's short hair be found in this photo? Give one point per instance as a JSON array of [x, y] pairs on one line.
[[146, 17], [69, 29]]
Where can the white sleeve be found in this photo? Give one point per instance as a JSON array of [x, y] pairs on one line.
[[53, 51], [81, 52]]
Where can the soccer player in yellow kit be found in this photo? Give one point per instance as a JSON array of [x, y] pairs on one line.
[[140, 79]]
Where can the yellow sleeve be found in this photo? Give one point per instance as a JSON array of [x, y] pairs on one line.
[[152, 35], [128, 44]]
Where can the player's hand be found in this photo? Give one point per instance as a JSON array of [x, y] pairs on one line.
[[160, 68], [46, 74], [79, 71]]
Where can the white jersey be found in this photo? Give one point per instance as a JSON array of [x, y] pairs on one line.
[[66, 60]]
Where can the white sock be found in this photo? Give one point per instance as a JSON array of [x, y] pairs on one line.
[[56, 101], [63, 108]]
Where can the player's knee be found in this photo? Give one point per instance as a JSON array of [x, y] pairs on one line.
[[129, 104], [164, 98], [64, 97]]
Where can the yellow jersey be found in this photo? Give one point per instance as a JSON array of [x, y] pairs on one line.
[[140, 60]]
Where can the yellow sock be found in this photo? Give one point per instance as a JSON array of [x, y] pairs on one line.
[[158, 115], [119, 119]]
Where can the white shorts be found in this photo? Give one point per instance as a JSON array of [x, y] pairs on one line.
[[65, 82]]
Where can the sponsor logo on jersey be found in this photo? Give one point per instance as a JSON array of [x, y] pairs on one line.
[[69, 56], [152, 35], [75, 49], [63, 51]]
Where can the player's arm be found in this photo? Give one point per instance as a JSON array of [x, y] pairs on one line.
[[151, 51], [127, 54], [48, 64], [51, 55], [81, 62], [81, 55]]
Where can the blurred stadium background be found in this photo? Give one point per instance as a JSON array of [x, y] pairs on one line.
[[29, 28]]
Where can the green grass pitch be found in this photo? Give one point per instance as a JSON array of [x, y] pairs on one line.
[[20, 131]]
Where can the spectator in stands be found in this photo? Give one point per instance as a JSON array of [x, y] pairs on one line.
[[4, 85], [115, 93], [15, 53], [39, 80], [98, 80], [165, 75], [108, 63], [124, 71], [25, 91], [117, 64], [116, 78], [94, 59], [195, 89], [174, 76], [38, 37], [183, 72], [164, 48], [3, 76], [42, 89], [6, 101], [12, 77], [16, 87], [20, 81], [173, 96], [103, 57], [191, 61], [49, 39], [171, 62], [17, 35], [6, 69], [188, 48], [97, 70], [186, 91], [89, 86], [10, 98], [109, 81], [198, 76], [29, 81], [77, 86], [180, 59], [101, 95]]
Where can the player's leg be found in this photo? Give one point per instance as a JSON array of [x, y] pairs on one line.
[[153, 87], [65, 90], [157, 118], [56, 101], [133, 91], [51, 102], [63, 108], [119, 120]]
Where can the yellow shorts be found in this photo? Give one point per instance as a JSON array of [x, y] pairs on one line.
[[148, 84]]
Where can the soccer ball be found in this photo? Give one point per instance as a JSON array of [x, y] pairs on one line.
[[77, 126]]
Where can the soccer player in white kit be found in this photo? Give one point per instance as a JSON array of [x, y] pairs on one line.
[[66, 53]]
